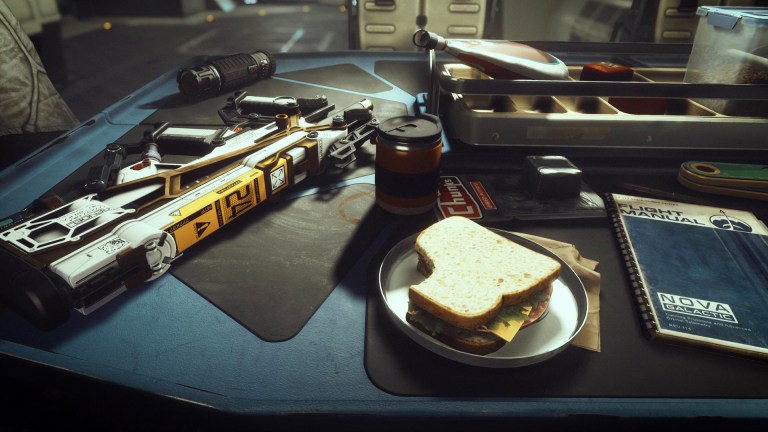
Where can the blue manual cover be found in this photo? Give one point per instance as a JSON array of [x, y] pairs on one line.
[[701, 272]]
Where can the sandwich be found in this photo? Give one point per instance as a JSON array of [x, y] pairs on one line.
[[480, 288]]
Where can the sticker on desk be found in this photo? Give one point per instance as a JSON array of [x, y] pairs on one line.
[[454, 199], [501, 197]]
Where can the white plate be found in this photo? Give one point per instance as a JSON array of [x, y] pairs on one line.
[[567, 311]]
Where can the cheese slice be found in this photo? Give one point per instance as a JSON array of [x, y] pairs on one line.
[[507, 327]]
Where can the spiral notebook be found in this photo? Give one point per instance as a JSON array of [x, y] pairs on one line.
[[699, 273]]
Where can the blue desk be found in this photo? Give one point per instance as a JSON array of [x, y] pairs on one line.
[[166, 340]]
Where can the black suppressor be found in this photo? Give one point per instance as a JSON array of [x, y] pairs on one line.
[[226, 73]]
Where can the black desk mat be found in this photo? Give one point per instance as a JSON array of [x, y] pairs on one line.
[[630, 365], [273, 269]]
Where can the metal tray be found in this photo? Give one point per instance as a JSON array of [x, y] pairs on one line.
[[577, 117]]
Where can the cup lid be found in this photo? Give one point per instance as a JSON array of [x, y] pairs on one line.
[[411, 129]]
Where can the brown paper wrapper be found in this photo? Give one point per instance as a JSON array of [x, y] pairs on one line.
[[585, 268]]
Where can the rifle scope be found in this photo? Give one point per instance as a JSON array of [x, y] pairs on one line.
[[226, 73]]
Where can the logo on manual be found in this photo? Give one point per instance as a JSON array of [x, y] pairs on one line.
[[455, 200]]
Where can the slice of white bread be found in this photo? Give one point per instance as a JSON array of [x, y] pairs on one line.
[[472, 272]]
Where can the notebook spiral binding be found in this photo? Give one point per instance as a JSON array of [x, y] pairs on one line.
[[635, 281]]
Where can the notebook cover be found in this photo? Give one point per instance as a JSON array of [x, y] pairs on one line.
[[699, 273]]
